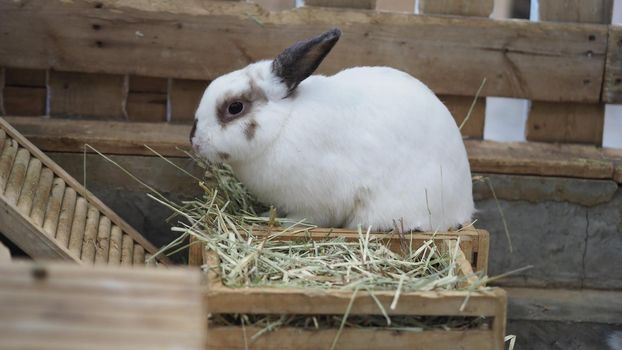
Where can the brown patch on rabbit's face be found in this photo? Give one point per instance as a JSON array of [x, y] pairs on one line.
[[250, 129], [232, 107]]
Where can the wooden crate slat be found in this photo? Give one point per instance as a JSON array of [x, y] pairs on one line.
[[543, 61], [349, 339], [612, 85], [616, 156], [584, 11], [566, 122], [459, 107], [147, 99], [531, 158], [478, 8], [185, 97], [37, 234], [86, 95], [101, 308]]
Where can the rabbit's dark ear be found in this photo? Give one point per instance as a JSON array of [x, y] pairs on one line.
[[300, 60]]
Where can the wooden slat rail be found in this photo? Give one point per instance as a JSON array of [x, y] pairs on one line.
[[541, 61], [63, 306], [531, 158], [565, 121], [49, 214]]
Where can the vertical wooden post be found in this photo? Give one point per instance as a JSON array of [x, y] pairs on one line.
[[406, 6], [459, 106], [569, 122], [475, 8], [276, 5]]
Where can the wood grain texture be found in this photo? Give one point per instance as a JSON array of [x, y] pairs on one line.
[[276, 5], [147, 99], [86, 95], [350, 339], [459, 107], [53, 306], [566, 122], [616, 156], [354, 4], [404, 6], [531, 158], [541, 61], [25, 91], [612, 85], [127, 251], [28, 237], [7, 157], [103, 241], [185, 97], [65, 220], [27, 195], [116, 240], [42, 194], [70, 181], [584, 11], [477, 8], [52, 211], [17, 176], [90, 235]]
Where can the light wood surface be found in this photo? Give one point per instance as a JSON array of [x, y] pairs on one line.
[[53, 306], [540, 61], [478, 8]]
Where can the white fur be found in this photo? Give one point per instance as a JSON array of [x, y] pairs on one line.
[[361, 147]]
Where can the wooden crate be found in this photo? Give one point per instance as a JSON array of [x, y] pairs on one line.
[[50, 215], [489, 303]]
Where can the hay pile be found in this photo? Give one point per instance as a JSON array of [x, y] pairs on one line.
[[225, 220]]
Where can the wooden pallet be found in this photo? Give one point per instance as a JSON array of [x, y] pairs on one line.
[[489, 303], [50, 215], [65, 306]]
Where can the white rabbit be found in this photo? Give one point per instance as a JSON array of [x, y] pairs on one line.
[[368, 146]]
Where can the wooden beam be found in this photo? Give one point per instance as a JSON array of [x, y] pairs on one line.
[[61, 306], [541, 61], [147, 99], [583, 11], [25, 91], [352, 4], [612, 85], [566, 122], [477, 8], [530, 158], [318, 302]]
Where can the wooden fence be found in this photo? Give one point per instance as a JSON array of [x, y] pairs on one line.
[[134, 61]]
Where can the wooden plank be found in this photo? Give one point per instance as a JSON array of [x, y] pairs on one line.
[[584, 11], [90, 235], [276, 5], [459, 107], [147, 99], [185, 97], [66, 307], [17, 176], [531, 158], [65, 220], [616, 156], [77, 226], [354, 4], [566, 122], [541, 61], [24, 142], [405, 6], [42, 193], [595, 306], [477, 8], [52, 212], [27, 195], [349, 339], [25, 92], [612, 85], [30, 238], [103, 241], [317, 302], [86, 95]]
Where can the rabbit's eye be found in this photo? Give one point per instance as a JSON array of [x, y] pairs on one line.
[[235, 108]]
